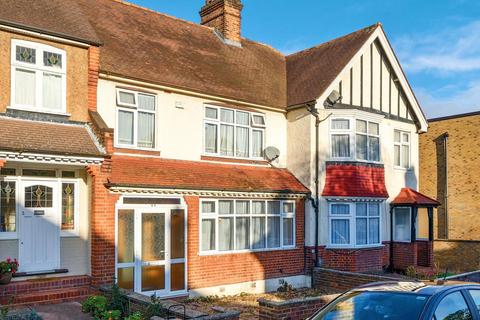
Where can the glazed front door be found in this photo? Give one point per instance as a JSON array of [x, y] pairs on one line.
[[151, 250], [39, 241]]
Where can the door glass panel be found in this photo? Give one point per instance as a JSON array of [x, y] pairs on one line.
[[177, 277], [125, 278], [125, 236], [7, 207], [38, 197], [153, 278], [153, 236], [178, 234]]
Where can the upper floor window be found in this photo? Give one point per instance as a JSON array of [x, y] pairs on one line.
[[354, 224], [233, 133], [38, 77], [135, 119], [363, 145], [402, 149]]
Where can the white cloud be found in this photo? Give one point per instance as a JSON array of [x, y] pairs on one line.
[[455, 49], [461, 101]]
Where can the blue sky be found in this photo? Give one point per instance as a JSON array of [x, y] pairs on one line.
[[437, 41]]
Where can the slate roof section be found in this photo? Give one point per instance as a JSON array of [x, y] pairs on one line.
[[180, 174], [47, 138], [408, 196], [355, 180], [62, 18], [311, 71]]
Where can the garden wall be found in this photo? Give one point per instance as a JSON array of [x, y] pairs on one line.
[[295, 309], [335, 280]]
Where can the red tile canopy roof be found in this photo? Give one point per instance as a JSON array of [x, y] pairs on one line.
[[409, 196], [179, 174], [355, 180]]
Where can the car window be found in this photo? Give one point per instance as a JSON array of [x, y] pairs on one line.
[[476, 298], [374, 306], [453, 307]]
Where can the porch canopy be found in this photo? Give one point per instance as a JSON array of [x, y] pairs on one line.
[[414, 200]]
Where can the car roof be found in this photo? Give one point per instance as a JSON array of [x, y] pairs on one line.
[[429, 288]]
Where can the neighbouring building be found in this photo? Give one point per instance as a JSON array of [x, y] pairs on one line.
[[180, 159], [449, 171]]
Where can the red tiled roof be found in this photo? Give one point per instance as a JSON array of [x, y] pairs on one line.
[[311, 71], [46, 138], [355, 180], [142, 44], [197, 175], [408, 196]]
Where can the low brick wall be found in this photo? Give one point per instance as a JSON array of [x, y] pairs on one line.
[[340, 281], [295, 309]]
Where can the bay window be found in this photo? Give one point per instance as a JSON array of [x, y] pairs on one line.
[[38, 77], [354, 224], [135, 119], [402, 149], [233, 133], [354, 139], [239, 225]]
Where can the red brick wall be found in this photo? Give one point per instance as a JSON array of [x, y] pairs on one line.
[[424, 253], [340, 281], [93, 71], [291, 309], [404, 255], [215, 270], [102, 225]]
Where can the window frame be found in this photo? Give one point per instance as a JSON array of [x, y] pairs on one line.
[[352, 218], [409, 221], [401, 144], [215, 215], [134, 108], [39, 69], [352, 133], [217, 122]]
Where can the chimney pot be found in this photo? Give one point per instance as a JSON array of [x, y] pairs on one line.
[[225, 16]]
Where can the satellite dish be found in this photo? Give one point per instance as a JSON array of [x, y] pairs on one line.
[[271, 154]]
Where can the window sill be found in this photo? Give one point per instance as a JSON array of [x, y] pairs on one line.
[[353, 160], [69, 234], [221, 253], [8, 236], [233, 160], [38, 110], [373, 246]]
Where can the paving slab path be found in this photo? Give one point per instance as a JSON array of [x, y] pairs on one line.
[[62, 311]]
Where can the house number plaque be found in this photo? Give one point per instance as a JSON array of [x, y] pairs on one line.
[[39, 212]]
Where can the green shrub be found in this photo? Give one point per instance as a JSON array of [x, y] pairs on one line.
[[110, 315], [155, 308], [95, 305], [117, 300], [135, 316], [411, 272]]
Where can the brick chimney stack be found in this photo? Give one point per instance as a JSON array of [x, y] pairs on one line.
[[225, 16]]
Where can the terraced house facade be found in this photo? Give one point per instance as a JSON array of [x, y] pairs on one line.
[[182, 159]]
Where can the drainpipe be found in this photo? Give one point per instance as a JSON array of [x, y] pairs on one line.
[[445, 192], [316, 201]]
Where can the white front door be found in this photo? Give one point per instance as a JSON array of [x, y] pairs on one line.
[[39, 241]]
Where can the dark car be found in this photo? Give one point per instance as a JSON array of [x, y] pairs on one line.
[[405, 301]]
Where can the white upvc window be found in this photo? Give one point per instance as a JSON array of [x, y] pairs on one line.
[[367, 140], [38, 77], [401, 149], [402, 224], [135, 119], [229, 225], [354, 139], [233, 133], [354, 224]]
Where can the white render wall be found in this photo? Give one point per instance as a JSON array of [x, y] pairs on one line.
[[395, 178], [180, 129]]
